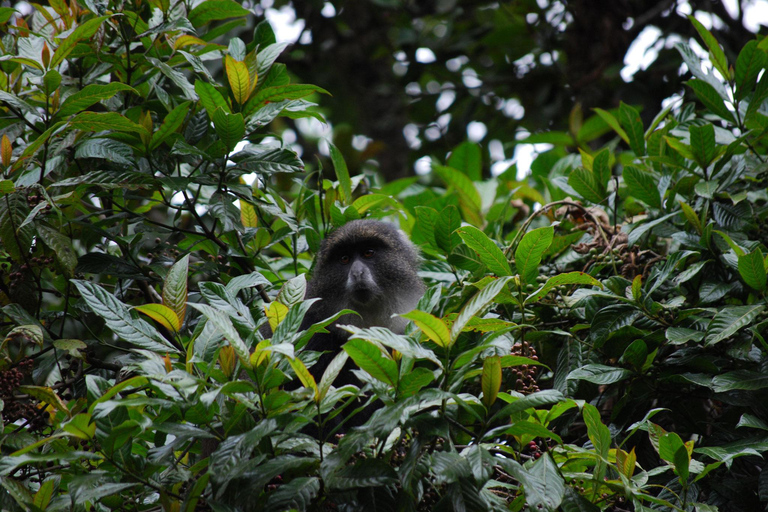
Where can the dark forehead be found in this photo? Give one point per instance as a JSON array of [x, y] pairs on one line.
[[363, 231]]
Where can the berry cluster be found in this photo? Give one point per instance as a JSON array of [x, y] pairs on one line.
[[14, 408], [35, 199], [524, 375]]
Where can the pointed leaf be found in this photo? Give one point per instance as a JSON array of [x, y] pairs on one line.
[[470, 202], [61, 245], [477, 304], [84, 31], [584, 183], [171, 124], [433, 327], [729, 320], [613, 123], [711, 99], [369, 358], [703, 144], [118, 318], [100, 121], [750, 62], [467, 158], [89, 95], [562, 279], [229, 127], [486, 249], [715, 51], [239, 79], [642, 185], [752, 269], [162, 315], [211, 98], [213, 10], [175, 288], [342, 174], [530, 250], [490, 382], [631, 122]]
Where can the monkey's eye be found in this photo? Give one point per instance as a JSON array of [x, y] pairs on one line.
[[368, 253], [344, 259]]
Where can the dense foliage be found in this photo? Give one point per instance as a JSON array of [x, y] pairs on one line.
[[592, 337]]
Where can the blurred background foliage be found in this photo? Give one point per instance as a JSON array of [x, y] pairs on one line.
[[426, 75]]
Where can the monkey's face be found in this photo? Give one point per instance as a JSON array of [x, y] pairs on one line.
[[360, 264]]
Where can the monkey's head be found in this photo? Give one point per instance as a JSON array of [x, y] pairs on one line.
[[371, 267]]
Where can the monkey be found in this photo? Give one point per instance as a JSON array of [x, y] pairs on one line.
[[367, 266]]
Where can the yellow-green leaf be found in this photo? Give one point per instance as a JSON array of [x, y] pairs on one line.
[[161, 314], [239, 81], [433, 327], [491, 380]]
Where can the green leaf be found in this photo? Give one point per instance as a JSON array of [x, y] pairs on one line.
[[238, 77], [411, 382], [691, 216], [13, 211], [84, 31], [106, 149], [642, 185], [433, 327], [715, 52], [639, 230], [469, 198], [477, 304], [331, 372], [599, 374], [601, 168], [490, 382], [566, 278], [225, 328], [596, 431], [467, 158], [211, 98], [118, 318], [61, 245], [161, 314], [52, 81], [5, 14], [729, 320], [175, 288], [448, 222], [279, 93], [90, 95], [176, 76], [369, 358], [17, 103], [489, 253], [171, 124], [750, 62], [682, 148], [403, 344], [752, 269], [342, 174], [711, 99], [681, 335], [583, 182], [703, 144], [229, 127], [613, 123], [544, 487], [267, 159], [631, 122], [372, 201], [530, 250], [739, 379], [104, 121], [213, 10], [298, 494]]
